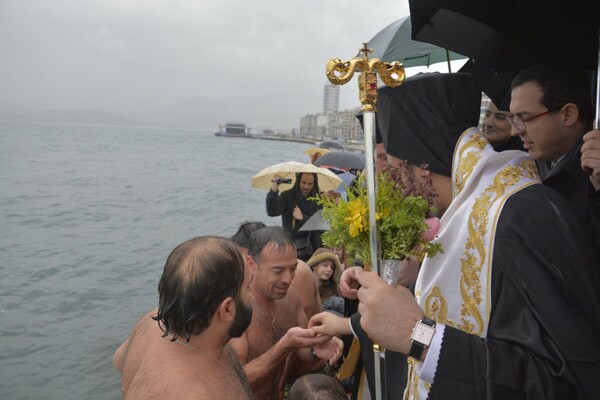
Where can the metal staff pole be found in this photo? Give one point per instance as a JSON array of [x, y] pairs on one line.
[[392, 74], [598, 88]]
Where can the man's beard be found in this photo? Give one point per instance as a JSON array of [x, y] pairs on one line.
[[243, 317]]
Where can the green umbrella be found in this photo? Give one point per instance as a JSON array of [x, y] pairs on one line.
[[394, 43]]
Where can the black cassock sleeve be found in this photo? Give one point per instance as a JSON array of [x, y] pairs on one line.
[[543, 339], [395, 365]]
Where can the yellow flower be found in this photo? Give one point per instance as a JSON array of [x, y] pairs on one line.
[[400, 220], [357, 219]]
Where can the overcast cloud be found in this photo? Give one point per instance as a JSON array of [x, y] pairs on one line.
[[135, 55]]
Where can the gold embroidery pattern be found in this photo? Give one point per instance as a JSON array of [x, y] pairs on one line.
[[436, 307], [467, 162], [474, 255]]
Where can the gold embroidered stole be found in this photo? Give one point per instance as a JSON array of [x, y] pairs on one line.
[[453, 288]]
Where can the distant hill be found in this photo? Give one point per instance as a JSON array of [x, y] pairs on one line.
[[195, 113], [202, 113], [67, 116]]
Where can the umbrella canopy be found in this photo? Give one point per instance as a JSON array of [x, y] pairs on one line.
[[332, 145], [502, 37], [394, 43], [511, 34], [311, 151], [316, 222], [327, 180], [342, 160]]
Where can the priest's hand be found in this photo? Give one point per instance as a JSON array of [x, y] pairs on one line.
[[348, 286], [388, 313], [590, 156]]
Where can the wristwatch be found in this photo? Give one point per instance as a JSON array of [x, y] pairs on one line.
[[421, 337]]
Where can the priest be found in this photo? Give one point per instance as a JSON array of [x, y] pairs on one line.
[[511, 309]]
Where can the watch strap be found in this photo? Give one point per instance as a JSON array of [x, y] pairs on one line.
[[416, 349]]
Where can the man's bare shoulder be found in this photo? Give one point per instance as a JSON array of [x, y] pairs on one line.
[[190, 388], [307, 287]]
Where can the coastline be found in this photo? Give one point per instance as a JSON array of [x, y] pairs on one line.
[[355, 148]]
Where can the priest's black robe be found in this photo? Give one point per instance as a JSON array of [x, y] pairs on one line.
[[543, 339]]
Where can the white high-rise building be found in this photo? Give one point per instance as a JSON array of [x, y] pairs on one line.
[[331, 98]]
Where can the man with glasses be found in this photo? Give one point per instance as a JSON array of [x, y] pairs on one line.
[[551, 110]]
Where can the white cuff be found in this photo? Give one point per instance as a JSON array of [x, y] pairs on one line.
[[352, 330], [426, 369]]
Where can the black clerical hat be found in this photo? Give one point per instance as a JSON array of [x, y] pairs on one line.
[[422, 120]]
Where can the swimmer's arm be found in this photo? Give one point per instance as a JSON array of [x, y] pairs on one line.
[[306, 354], [260, 370]]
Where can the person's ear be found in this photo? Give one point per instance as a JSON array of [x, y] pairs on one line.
[[570, 114], [226, 310], [251, 264]]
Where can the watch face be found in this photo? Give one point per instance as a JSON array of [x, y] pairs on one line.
[[423, 333]]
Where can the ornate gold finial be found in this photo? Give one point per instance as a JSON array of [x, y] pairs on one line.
[[340, 72]]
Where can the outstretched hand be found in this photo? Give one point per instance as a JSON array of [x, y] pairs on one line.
[[297, 337], [326, 323], [348, 285], [330, 351]]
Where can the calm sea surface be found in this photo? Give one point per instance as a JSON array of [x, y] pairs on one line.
[[88, 216]]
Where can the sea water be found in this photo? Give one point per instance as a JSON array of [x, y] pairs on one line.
[[88, 215]]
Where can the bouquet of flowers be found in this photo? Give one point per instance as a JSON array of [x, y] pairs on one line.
[[405, 217]]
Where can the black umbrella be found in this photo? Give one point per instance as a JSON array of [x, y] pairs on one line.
[[496, 85], [341, 159], [332, 145], [503, 37], [511, 35]]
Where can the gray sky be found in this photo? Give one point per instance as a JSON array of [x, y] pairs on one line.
[[136, 55]]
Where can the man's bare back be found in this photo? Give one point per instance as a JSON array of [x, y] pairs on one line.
[[173, 370]]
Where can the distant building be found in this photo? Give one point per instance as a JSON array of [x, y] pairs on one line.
[[340, 125], [331, 98]]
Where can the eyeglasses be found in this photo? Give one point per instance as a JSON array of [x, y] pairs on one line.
[[518, 122]]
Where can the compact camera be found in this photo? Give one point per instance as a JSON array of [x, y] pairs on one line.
[[279, 181]]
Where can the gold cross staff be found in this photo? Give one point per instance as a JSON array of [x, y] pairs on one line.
[[392, 74]]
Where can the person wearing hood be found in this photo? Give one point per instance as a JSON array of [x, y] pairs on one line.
[[295, 207]]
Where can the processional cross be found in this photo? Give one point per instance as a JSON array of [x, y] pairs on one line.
[[392, 74]]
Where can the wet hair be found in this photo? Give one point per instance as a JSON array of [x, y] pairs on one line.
[[242, 236], [559, 86], [259, 239], [317, 387], [198, 275]]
